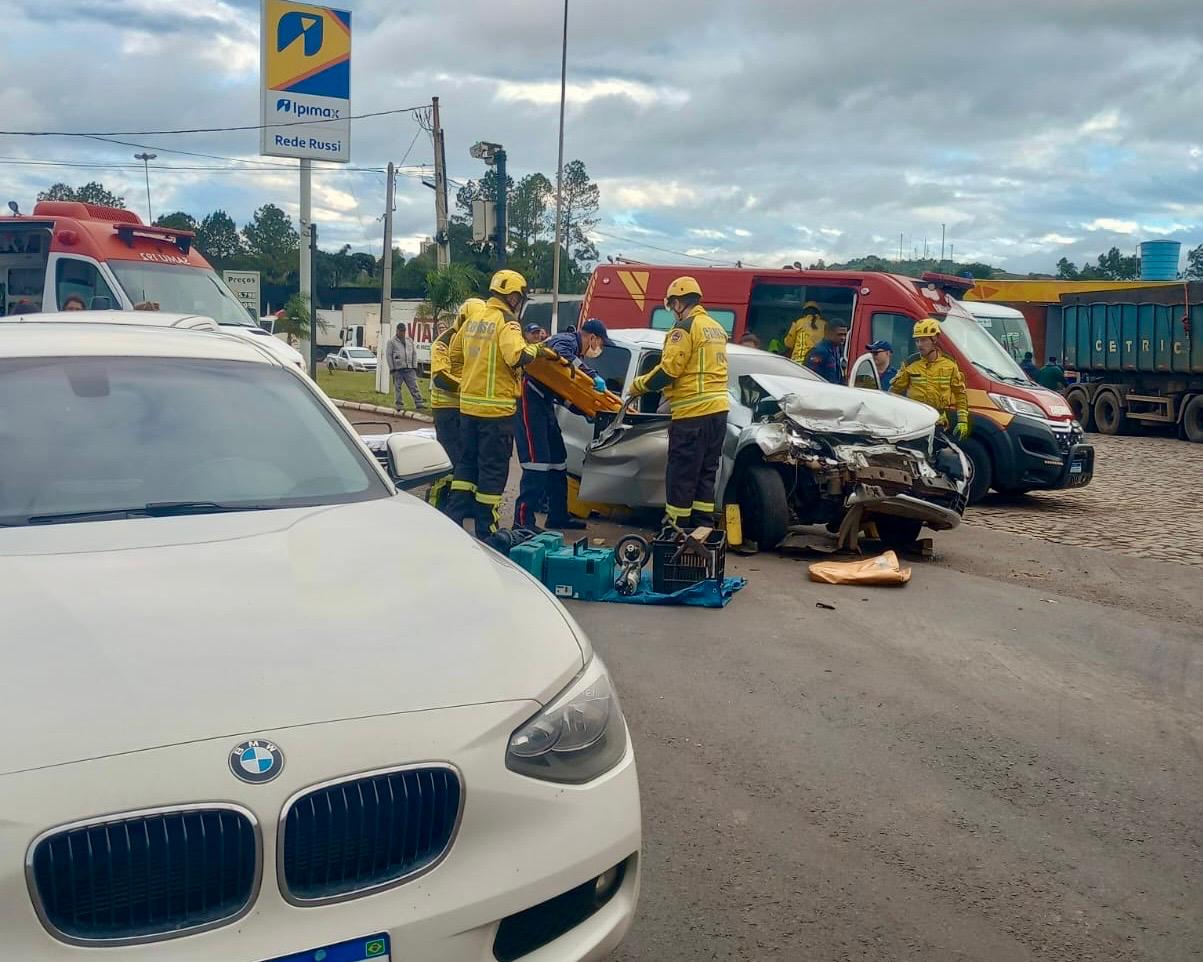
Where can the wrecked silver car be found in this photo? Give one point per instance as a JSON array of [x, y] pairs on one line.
[[799, 451]]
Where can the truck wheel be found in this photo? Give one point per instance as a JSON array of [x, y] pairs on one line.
[[763, 507], [982, 478], [1109, 414], [1079, 402], [896, 532], [1192, 419]]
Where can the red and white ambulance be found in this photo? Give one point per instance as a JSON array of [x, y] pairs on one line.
[[107, 258]]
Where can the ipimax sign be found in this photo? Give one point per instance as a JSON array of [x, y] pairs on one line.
[[305, 71]]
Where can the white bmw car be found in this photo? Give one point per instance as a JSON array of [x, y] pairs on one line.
[[260, 705]]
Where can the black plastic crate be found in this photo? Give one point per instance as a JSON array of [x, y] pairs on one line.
[[679, 562]]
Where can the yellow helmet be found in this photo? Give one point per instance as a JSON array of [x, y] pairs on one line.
[[810, 306], [508, 282], [928, 327], [468, 310], [682, 286]]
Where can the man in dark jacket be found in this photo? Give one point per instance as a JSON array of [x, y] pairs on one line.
[[826, 358], [541, 450]]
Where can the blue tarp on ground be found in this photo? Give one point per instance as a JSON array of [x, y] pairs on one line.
[[705, 594]]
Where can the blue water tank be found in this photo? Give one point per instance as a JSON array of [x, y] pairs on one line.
[[1159, 260]]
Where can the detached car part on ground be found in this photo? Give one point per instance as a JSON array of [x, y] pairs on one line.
[[798, 451]]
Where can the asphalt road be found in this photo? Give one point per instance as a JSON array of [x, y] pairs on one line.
[[1000, 761]]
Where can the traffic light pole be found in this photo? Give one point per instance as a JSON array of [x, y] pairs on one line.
[[499, 241]]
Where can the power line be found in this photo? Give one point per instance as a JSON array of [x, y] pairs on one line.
[[100, 134], [662, 250], [412, 170]]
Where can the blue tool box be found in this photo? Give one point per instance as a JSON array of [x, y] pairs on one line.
[[580, 571], [532, 555]]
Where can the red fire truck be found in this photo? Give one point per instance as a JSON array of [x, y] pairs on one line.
[[109, 259], [1024, 437]]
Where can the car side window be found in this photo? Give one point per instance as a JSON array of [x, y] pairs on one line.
[[651, 402], [81, 279], [613, 365], [864, 373]]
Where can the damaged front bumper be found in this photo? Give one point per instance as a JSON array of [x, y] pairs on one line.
[[873, 500]]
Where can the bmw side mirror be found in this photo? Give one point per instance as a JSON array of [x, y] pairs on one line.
[[415, 460]]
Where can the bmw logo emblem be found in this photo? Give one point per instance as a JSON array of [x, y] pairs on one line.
[[256, 761]]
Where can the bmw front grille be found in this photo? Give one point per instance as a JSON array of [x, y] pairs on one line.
[[364, 834], [147, 875]]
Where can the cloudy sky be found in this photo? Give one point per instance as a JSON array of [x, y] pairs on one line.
[[768, 131]]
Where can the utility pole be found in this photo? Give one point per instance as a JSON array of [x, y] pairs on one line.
[[555, 256], [312, 292], [443, 251], [386, 282], [305, 274], [941, 243], [146, 159], [501, 230], [900, 248]]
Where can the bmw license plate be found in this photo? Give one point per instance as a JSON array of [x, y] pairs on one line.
[[373, 948]]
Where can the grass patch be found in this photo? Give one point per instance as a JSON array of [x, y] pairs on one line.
[[361, 386]]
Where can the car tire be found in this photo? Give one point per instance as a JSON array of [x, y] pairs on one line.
[[1109, 416], [983, 468], [896, 532], [1079, 402], [1192, 419], [763, 507]]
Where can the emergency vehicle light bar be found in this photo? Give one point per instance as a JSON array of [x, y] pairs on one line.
[[181, 238]]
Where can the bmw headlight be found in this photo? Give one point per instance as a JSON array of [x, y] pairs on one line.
[[576, 738], [1014, 405]]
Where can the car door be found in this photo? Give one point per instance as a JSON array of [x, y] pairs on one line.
[[626, 463], [863, 373]]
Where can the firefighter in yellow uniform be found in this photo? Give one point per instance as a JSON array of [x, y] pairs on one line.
[[692, 374], [805, 333], [934, 379], [444, 399], [490, 351]]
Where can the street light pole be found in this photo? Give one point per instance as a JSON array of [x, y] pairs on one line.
[[146, 159], [555, 255]]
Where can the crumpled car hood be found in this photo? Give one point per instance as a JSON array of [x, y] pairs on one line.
[[835, 409]]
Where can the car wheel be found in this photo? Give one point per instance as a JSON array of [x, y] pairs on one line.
[[982, 478], [763, 506], [1192, 419], [1079, 402], [896, 532], [1109, 414]]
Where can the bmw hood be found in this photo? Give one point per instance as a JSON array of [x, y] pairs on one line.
[[126, 635], [835, 409]]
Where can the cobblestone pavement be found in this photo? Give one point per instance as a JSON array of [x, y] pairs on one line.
[[1146, 501]]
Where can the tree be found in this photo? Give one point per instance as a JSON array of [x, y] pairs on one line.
[[1067, 270], [581, 199], [364, 265], [177, 220], [1194, 264], [446, 289], [293, 321], [1115, 266], [271, 237], [92, 192], [217, 238], [528, 209]]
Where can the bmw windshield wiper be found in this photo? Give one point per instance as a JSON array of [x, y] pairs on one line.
[[155, 509]]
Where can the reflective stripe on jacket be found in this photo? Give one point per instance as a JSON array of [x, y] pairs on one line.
[[938, 384], [440, 373], [491, 350], [692, 372], [801, 337]]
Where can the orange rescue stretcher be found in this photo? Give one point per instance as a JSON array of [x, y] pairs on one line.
[[572, 385]]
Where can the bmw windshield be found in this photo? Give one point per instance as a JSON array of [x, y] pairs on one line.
[[110, 438], [182, 290]]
